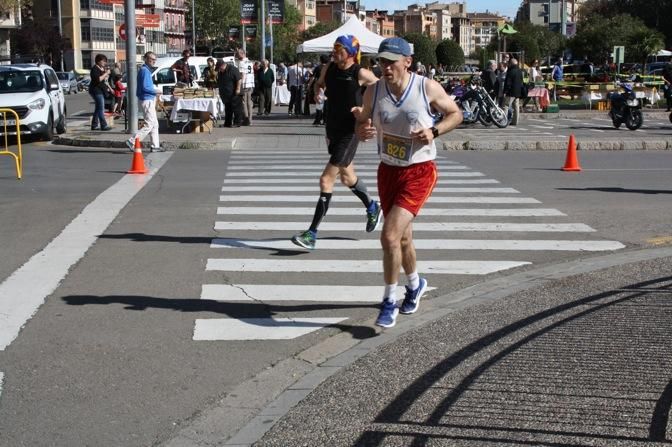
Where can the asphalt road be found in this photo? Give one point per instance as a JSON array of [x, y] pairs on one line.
[[132, 345]]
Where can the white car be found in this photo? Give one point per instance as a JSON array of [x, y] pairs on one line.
[[33, 91], [68, 81]]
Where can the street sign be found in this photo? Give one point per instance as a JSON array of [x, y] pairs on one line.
[[111, 2], [148, 20], [122, 32], [619, 55]]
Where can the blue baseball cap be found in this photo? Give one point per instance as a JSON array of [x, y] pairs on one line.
[[394, 48]]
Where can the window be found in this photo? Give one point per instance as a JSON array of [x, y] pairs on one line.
[[165, 76]]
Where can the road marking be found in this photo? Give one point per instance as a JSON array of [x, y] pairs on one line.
[[316, 174], [417, 226], [439, 189], [231, 329], [461, 267], [428, 244], [316, 169], [313, 181], [295, 292], [352, 198], [2, 379], [334, 211], [541, 127], [80, 112], [25, 290]]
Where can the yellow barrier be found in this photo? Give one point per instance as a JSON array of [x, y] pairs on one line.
[[18, 158]]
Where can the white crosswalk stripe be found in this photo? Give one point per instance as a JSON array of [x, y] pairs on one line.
[[371, 190], [334, 211], [264, 192], [352, 199], [417, 226], [296, 292]]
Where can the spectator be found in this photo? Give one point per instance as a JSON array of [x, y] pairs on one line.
[[295, 82], [557, 73], [245, 67], [182, 70], [146, 94], [229, 82], [281, 77], [513, 88], [489, 78], [98, 89], [319, 112], [210, 75], [119, 91], [266, 79], [667, 88], [499, 86]]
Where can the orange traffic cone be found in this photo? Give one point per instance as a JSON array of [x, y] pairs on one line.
[[572, 161], [138, 163]]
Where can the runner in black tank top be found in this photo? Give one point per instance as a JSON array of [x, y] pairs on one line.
[[343, 79]]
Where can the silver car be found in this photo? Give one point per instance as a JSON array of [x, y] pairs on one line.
[[68, 81]]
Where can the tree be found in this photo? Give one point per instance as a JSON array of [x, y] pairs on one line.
[[423, 48], [7, 6], [450, 54], [38, 38], [213, 18], [644, 43]]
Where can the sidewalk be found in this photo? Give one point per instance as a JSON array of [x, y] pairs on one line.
[[572, 354], [300, 131]]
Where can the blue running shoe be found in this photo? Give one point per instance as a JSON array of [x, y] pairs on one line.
[[412, 298], [388, 313], [373, 215], [305, 239]]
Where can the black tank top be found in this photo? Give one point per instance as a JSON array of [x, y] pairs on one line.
[[343, 92]]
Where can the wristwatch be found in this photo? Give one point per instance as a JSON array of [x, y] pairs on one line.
[[435, 131]]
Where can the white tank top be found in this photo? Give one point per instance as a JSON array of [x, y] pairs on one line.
[[397, 118]]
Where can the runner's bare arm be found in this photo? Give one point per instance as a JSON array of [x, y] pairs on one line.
[[364, 128], [441, 102], [321, 82], [366, 77]]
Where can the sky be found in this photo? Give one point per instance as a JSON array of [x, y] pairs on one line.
[[505, 7]]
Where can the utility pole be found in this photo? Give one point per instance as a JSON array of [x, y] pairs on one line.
[[262, 53], [563, 16], [60, 34], [131, 69], [193, 25]]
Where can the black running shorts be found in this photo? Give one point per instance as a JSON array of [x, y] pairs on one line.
[[342, 149]]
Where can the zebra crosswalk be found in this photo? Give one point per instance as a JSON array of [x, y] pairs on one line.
[[269, 196]]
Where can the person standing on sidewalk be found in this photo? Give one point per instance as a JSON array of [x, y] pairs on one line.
[[295, 83], [513, 88], [146, 94], [344, 79], [182, 70], [229, 82], [98, 88], [244, 66], [265, 88], [399, 112]]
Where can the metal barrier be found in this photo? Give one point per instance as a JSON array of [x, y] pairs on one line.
[[18, 158]]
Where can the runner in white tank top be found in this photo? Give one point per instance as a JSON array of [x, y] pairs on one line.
[[399, 113]]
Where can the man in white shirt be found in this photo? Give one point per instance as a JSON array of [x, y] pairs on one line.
[[295, 82], [246, 70]]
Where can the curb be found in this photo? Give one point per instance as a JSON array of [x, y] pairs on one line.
[[603, 145], [225, 143]]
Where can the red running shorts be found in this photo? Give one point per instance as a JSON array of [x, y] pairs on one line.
[[407, 187]]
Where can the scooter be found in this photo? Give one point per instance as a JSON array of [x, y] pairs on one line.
[[626, 108]]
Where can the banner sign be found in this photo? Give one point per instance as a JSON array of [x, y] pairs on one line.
[[276, 10], [234, 32], [111, 2], [148, 20], [248, 11], [250, 32]]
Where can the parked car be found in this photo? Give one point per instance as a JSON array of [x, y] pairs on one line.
[[34, 92], [68, 81]]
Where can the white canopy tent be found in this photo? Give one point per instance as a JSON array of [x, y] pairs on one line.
[[368, 40], [664, 53]]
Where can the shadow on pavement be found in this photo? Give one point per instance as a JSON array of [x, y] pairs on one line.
[[230, 309], [597, 368], [618, 189]]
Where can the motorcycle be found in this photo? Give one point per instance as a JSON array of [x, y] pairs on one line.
[[626, 108], [478, 105]]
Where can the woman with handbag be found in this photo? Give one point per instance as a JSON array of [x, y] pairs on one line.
[[98, 89]]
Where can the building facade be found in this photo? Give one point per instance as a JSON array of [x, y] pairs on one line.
[[549, 13], [484, 26], [8, 22]]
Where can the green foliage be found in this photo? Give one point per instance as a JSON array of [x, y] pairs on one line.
[[423, 48], [482, 55], [37, 38], [7, 6], [213, 18], [597, 35], [319, 29], [450, 54], [538, 42]]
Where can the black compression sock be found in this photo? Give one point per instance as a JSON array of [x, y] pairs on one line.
[[320, 210]]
